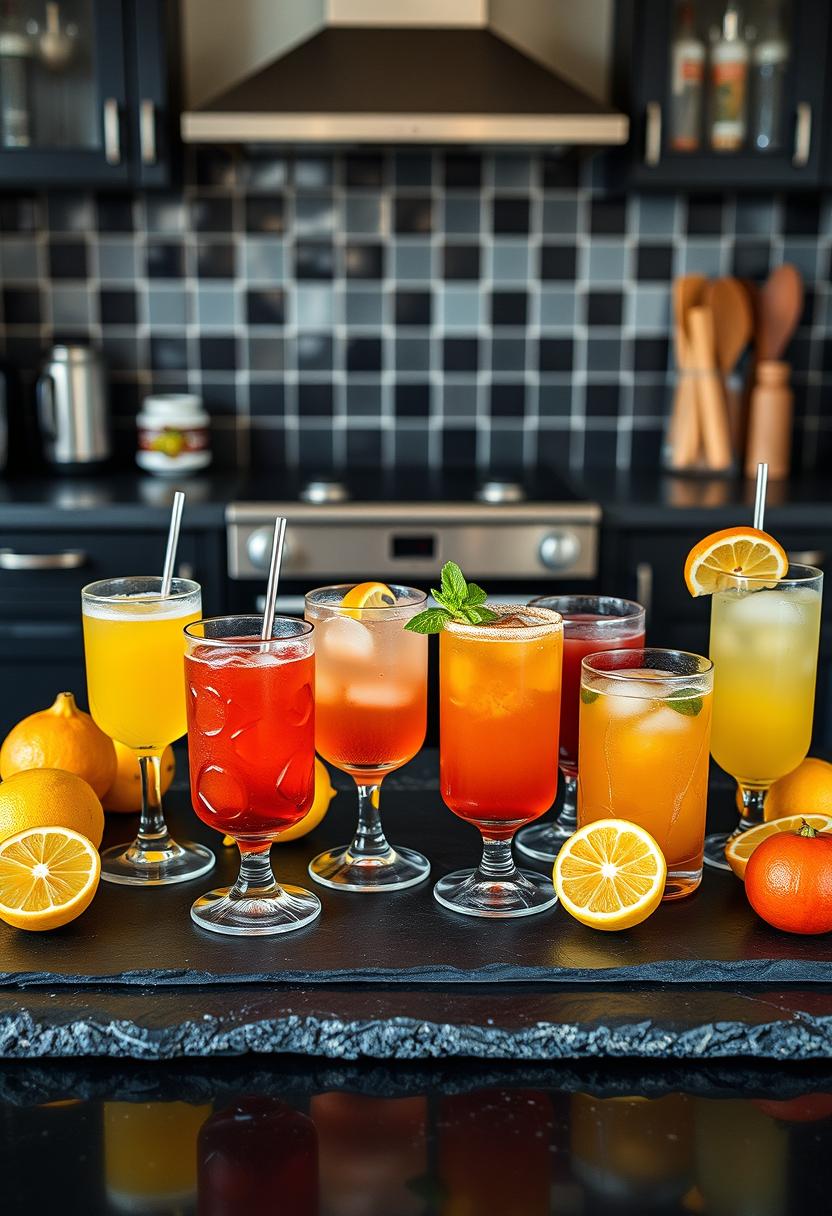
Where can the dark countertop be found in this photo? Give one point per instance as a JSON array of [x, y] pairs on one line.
[[632, 499]]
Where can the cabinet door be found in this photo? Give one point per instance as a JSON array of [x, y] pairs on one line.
[[63, 93], [794, 159], [153, 46]]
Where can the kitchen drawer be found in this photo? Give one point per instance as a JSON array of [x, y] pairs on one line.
[[41, 574], [39, 659]]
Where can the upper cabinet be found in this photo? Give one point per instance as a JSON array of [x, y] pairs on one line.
[[723, 95], [87, 92]]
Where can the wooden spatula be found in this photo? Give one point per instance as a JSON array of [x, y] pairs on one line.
[[780, 306], [683, 435], [730, 304], [713, 418]]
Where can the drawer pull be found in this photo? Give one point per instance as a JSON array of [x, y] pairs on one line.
[[70, 559]]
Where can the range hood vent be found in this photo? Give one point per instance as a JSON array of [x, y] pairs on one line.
[[350, 84]]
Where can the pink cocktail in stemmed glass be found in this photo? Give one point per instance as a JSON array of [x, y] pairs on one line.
[[591, 623]]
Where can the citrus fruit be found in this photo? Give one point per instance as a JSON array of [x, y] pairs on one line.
[[62, 736], [788, 880], [48, 876], [324, 793], [721, 558], [50, 798], [610, 874], [807, 788], [368, 595], [739, 848], [125, 793]]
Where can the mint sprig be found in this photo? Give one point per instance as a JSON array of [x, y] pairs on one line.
[[685, 701], [458, 601]]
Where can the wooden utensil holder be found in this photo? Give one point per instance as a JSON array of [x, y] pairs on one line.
[[770, 420]]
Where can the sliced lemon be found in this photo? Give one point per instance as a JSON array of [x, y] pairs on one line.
[[739, 848], [368, 595], [610, 874], [721, 558], [48, 876]]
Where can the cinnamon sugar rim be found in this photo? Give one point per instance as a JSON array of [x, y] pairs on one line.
[[550, 622]]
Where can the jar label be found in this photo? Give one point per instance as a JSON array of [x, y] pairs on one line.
[[172, 441]]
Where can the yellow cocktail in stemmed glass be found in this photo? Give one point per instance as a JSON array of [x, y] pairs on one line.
[[135, 655]]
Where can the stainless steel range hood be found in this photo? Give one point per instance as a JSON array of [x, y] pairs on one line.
[[351, 83]]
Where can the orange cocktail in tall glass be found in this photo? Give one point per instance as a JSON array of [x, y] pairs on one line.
[[499, 721], [370, 718]]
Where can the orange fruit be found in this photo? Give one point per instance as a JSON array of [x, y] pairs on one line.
[[739, 848], [807, 788], [50, 798], [48, 876], [721, 558], [62, 736], [125, 794], [610, 874], [368, 595]]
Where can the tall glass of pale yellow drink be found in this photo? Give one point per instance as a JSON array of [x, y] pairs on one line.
[[135, 654]]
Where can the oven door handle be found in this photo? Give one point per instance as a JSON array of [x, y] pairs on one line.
[[285, 605]]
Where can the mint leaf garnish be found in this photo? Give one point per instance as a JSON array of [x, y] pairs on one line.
[[588, 695], [685, 701], [458, 600]]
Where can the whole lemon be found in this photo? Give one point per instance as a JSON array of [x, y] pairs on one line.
[[806, 790], [62, 736], [50, 798], [125, 794], [324, 793]]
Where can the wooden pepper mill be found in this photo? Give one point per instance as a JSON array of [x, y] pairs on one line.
[[770, 420]]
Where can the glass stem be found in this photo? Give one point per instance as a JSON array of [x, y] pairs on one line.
[[753, 801], [152, 827], [568, 817], [255, 877], [369, 840], [497, 864]]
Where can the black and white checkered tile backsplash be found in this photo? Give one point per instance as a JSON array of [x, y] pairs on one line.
[[402, 306]]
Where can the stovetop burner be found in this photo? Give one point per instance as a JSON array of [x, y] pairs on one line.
[[500, 492], [323, 492]]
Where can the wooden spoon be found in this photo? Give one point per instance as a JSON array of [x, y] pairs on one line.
[[683, 434], [713, 419], [780, 306], [733, 317]]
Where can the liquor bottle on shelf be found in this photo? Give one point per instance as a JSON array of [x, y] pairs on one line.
[[687, 79], [769, 61], [729, 84]]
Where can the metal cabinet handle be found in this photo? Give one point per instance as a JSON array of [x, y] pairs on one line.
[[802, 135], [806, 557], [289, 605], [653, 134], [70, 559], [112, 132], [644, 587], [147, 132]]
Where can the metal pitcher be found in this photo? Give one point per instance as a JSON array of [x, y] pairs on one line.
[[73, 412]]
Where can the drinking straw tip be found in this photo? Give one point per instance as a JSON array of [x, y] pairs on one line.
[[173, 541], [274, 576]]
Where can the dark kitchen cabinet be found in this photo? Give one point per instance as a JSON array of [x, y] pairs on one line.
[[643, 86], [647, 565], [41, 575], [90, 99]]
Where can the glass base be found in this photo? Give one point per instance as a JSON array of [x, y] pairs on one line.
[[680, 883], [543, 841], [524, 894], [715, 850], [136, 866], [284, 910], [391, 871]]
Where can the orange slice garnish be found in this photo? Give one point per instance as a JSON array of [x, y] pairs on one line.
[[368, 595], [739, 848], [722, 558]]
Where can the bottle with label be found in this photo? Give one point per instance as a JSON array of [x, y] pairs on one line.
[[687, 78], [729, 84], [769, 61]]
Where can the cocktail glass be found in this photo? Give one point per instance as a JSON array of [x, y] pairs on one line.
[[590, 623], [764, 646], [370, 718], [643, 752], [134, 653], [251, 741], [499, 690]]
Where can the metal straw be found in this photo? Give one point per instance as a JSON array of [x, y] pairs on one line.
[[760, 500], [173, 541], [274, 575]]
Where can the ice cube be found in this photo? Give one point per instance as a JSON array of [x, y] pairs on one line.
[[209, 710], [221, 793], [379, 695], [299, 711], [343, 639], [663, 720], [764, 608]]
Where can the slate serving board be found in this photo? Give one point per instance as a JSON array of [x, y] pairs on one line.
[[140, 938]]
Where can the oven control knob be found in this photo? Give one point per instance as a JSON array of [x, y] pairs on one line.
[[559, 550], [259, 547]]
